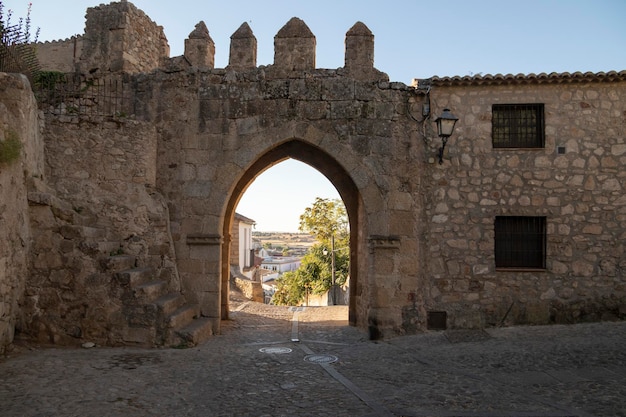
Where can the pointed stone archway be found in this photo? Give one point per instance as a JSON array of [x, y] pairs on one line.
[[211, 131], [226, 127], [331, 169], [219, 129]]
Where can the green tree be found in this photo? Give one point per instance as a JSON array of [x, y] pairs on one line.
[[290, 290], [326, 262], [321, 255], [325, 219]]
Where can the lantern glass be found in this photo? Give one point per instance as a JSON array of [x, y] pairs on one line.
[[445, 123]]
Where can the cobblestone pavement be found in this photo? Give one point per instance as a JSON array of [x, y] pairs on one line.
[[255, 368]]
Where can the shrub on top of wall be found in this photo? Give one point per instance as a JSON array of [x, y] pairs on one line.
[[10, 147]]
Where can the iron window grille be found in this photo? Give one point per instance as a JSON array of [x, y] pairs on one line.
[[518, 126], [520, 242], [83, 94]]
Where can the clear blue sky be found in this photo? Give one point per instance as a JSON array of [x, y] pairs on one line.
[[413, 39]]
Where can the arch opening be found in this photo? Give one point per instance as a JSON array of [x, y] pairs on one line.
[[336, 175]]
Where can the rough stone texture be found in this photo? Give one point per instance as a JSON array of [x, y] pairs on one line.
[[242, 48], [161, 183], [359, 59], [581, 192], [294, 46], [132, 43], [18, 118], [234, 247], [251, 290], [104, 179], [200, 48], [61, 55]]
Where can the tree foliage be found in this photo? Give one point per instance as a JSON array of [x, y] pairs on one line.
[[290, 291], [328, 222], [324, 219]]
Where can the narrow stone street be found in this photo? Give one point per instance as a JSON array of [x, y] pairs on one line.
[[281, 361]]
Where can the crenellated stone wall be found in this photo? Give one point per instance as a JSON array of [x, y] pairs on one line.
[[61, 55], [160, 181]]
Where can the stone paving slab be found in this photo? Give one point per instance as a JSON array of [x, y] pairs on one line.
[[548, 371]]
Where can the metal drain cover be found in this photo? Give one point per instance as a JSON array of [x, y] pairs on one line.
[[275, 350], [321, 358]]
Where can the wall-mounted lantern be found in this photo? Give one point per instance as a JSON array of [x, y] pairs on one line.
[[445, 127]]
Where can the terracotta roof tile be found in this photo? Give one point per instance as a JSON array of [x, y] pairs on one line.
[[542, 78]]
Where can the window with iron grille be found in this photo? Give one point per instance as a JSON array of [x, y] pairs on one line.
[[517, 126], [520, 242]]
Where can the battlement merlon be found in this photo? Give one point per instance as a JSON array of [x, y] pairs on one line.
[[200, 48], [359, 60], [243, 49], [294, 47], [119, 37]]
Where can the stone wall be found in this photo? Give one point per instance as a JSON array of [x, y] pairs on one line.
[[161, 181], [18, 119], [62, 55], [99, 201], [581, 191], [252, 290], [234, 243], [353, 131], [118, 38]]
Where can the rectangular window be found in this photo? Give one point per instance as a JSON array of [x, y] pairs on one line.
[[520, 242], [517, 126]]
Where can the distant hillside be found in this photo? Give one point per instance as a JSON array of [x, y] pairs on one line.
[[297, 243]]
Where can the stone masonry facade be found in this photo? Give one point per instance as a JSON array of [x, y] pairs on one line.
[[123, 235], [576, 181]]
